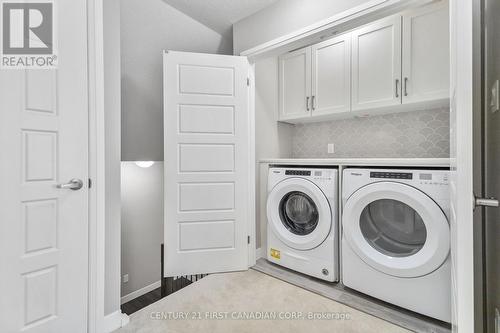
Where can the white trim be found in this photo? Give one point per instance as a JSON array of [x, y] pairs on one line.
[[96, 320], [358, 15], [140, 292], [462, 52], [114, 321]]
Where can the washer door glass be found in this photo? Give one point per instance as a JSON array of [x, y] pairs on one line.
[[393, 228], [298, 213]]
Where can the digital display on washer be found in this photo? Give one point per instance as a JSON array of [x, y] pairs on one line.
[[297, 173], [392, 175]]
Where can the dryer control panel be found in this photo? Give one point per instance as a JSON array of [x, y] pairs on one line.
[[391, 175]]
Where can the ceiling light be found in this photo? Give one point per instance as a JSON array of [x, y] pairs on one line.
[[144, 164]]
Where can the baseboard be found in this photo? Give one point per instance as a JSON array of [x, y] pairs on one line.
[[114, 321], [140, 292], [259, 253]]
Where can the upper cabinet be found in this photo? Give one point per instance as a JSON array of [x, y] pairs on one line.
[[295, 84], [376, 64], [316, 80], [331, 76], [397, 63], [426, 63]]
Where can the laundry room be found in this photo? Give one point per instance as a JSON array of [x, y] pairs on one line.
[[351, 142], [358, 106], [252, 166]]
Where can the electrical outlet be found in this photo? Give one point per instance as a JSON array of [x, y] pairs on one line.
[[125, 278], [331, 148]]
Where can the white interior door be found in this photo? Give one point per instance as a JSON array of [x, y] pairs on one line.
[[376, 64], [43, 229], [331, 76], [207, 163], [426, 74], [295, 84]]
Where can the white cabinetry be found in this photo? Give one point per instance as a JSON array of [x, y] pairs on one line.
[[399, 63], [295, 84], [426, 69], [316, 80], [331, 76], [376, 64]]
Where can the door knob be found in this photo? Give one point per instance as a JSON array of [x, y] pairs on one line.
[[74, 184], [487, 202]]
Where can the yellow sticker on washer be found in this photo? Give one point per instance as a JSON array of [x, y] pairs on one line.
[[275, 254]]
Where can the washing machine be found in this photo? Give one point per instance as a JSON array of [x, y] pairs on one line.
[[302, 229], [396, 237]]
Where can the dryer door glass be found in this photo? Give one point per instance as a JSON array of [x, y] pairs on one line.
[[298, 213], [393, 228]]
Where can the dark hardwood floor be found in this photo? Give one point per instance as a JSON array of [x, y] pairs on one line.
[[153, 296]]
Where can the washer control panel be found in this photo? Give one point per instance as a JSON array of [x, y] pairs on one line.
[[293, 172], [315, 174]]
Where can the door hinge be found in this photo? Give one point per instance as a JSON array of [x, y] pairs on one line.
[[90, 183], [248, 81], [248, 239]]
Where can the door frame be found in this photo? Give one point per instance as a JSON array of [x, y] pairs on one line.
[[97, 217], [96, 318], [466, 96]]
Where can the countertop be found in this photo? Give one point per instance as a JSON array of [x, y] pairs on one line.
[[389, 162]]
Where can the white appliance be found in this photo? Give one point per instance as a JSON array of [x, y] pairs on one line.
[[302, 232], [396, 237]]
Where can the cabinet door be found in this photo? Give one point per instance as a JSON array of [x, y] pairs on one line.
[[376, 64], [331, 78], [295, 84], [426, 55]]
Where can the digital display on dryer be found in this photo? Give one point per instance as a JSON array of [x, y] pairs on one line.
[[392, 175]]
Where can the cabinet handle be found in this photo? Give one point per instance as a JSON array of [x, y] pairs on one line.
[[307, 103], [397, 88], [313, 99], [406, 83]]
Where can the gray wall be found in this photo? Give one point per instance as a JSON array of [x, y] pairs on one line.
[[284, 17], [272, 139], [408, 134], [147, 28], [142, 224], [112, 148]]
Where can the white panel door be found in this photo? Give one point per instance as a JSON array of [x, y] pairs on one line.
[[331, 76], [376, 64], [295, 84], [207, 155], [426, 53], [43, 229]]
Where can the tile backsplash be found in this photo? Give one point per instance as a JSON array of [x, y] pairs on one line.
[[409, 134]]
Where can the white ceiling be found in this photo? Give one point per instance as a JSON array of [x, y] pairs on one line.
[[219, 15]]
